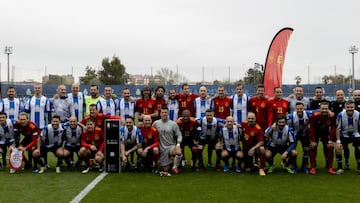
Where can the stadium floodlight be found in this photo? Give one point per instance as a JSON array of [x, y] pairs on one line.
[[8, 51], [353, 50]]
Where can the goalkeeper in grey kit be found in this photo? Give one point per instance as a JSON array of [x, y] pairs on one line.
[[170, 138]]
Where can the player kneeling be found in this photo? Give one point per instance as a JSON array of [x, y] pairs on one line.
[[150, 153], [253, 144], [170, 139], [51, 141], [230, 134], [281, 140], [92, 146], [130, 140]]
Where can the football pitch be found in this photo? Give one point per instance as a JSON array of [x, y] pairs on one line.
[[188, 186]]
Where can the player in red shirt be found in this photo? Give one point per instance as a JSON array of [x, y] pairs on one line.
[[253, 143], [277, 106], [259, 106], [159, 98], [186, 100], [188, 127], [99, 118], [31, 140], [221, 104], [92, 145], [150, 145], [146, 104], [322, 126]]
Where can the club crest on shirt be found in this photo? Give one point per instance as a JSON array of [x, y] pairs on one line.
[[262, 105]]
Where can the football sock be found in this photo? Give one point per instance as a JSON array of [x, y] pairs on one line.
[[339, 161], [304, 159], [226, 161], [218, 157], [177, 160], [209, 151], [201, 158]]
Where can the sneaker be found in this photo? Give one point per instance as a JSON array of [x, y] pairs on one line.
[[201, 169], [42, 169], [183, 163], [331, 171], [340, 171], [217, 168], [86, 170], [57, 169], [12, 171], [289, 170], [347, 166], [35, 170], [210, 165], [295, 169], [312, 171], [238, 169], [164, 174], [262, 172], [175, 170], [226, 169], [271, 169], [155, 171], [305, 170], [27, 167], [101, 169]]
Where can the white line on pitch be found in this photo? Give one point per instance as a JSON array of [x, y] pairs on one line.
[[88, 188]]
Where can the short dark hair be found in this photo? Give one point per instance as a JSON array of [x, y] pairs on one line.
[[97, 87], [280, 117], [57, 117], [10, 87], [209, 111], [349, 102], [130, 117], [3, 113], [299, 103], [164, 107]]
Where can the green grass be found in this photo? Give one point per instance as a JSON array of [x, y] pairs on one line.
[[188, 186]]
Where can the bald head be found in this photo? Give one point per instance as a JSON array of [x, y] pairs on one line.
[[356, 95]]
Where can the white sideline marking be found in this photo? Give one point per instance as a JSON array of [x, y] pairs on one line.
[[88, 188]]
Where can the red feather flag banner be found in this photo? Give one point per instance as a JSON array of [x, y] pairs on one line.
[[275, 60]]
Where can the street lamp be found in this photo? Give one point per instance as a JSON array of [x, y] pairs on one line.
[[8, 51], [353, 50]]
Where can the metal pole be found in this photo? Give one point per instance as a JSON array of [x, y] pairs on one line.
[[353, 73], [8, 73], [353, 50]]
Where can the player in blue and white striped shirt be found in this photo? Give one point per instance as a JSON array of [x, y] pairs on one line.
[[12, 106], [281, 140], [348, 123], [6, 135], [230, 135], [39, 108]]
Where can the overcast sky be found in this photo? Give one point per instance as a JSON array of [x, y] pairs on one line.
[[188, 34]]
